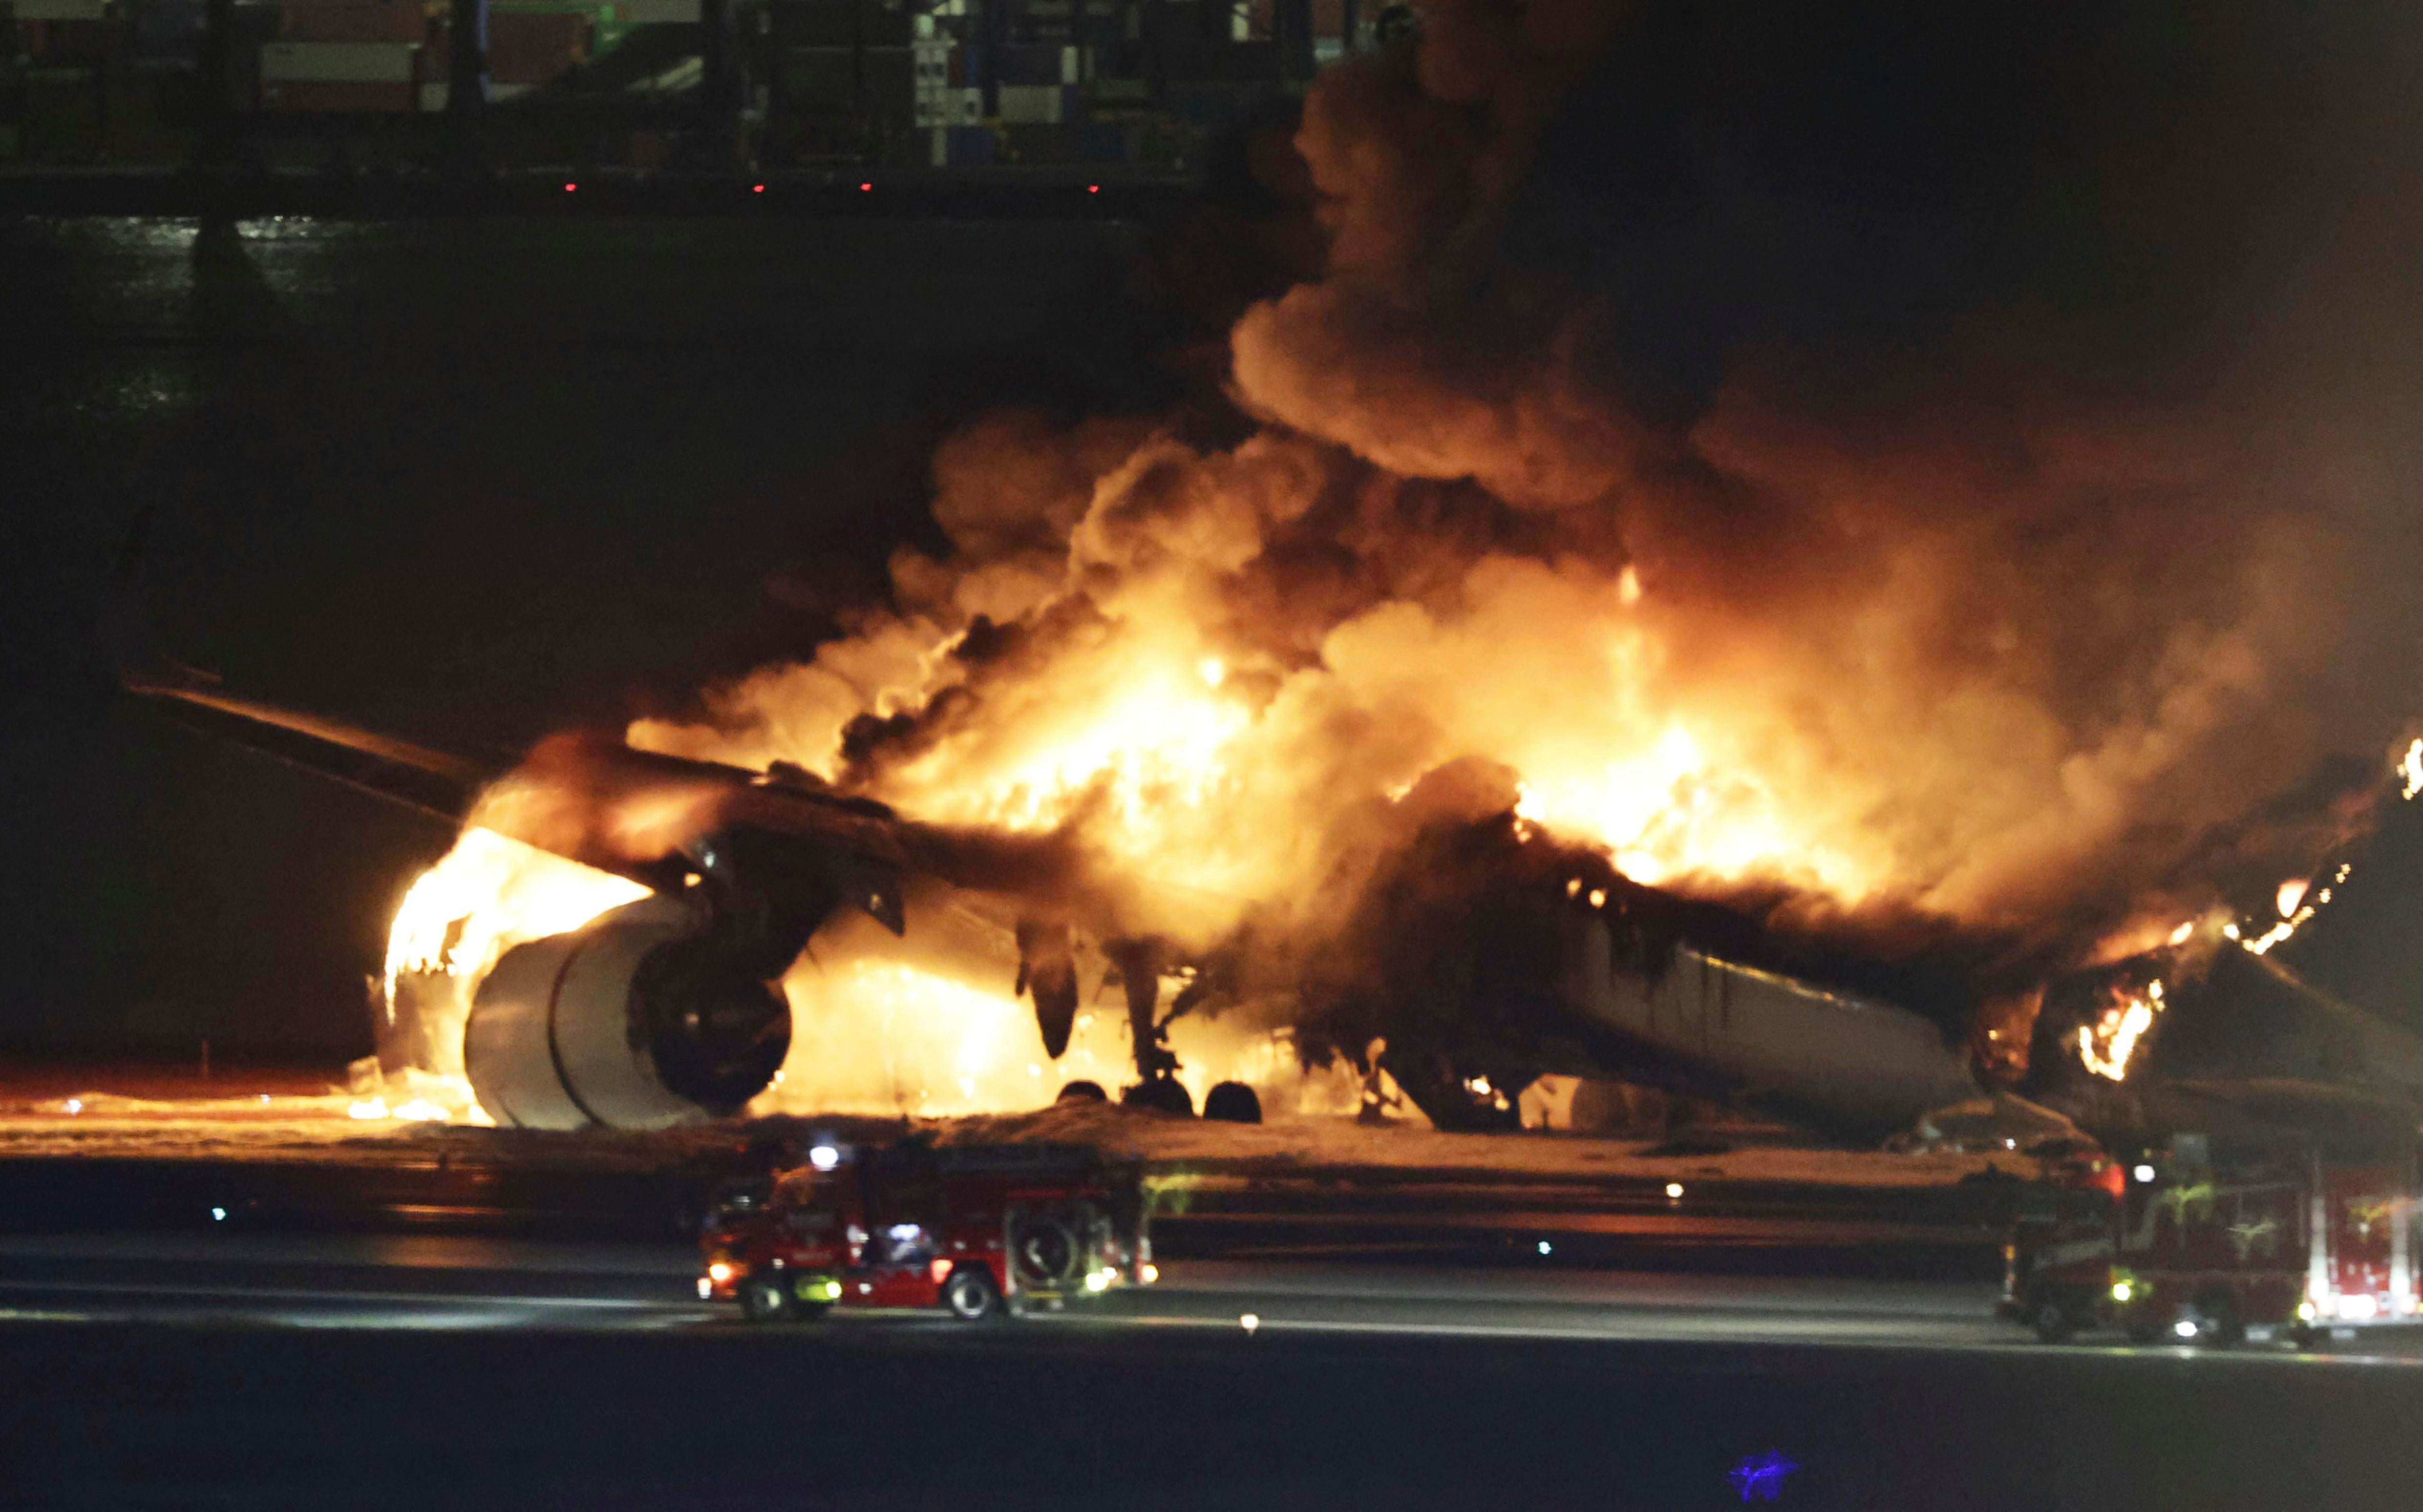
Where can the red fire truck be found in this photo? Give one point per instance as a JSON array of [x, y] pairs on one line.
[[2178, 1248], [976, 1230]]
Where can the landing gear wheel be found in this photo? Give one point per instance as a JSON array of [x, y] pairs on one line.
[[1232, 1102], [1162, 1095], [2052, 1322], [970, 1294], [1083, 1092], [763, 1300]]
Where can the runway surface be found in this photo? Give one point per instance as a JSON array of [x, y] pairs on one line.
[[1410, 1216], [191, 1370], [428, 1282]]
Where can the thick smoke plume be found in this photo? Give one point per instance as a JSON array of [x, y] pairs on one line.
[[1923, 473]]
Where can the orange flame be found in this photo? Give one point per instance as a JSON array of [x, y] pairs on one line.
[[483, 897], [884, 1035], [2107, 1045]]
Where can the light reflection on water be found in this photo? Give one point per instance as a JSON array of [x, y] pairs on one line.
[[155, 388]]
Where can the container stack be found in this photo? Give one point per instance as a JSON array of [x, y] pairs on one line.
[[353, 57]]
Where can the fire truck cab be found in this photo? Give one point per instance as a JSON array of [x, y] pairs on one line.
[[2180, 1245], [976, 1231]]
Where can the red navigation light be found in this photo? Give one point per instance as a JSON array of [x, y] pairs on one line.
[[1093, 188], [867, 188], [570, 187], [756, 188]]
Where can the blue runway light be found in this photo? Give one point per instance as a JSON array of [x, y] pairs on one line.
[[1761, 1476]]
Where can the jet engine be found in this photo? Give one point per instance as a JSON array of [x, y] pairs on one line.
[[633, 1021]]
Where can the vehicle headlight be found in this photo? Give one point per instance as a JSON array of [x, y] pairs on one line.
[[1096, 1280], [1150, 1273], [2306, 1311], [719, 1272], [2122, 1291]]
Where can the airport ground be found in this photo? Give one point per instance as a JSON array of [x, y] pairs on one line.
[[209, 1370], [384, 1331]]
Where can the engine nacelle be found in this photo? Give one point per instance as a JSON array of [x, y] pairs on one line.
[[630, 1022]]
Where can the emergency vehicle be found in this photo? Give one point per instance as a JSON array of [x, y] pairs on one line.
[[2180, 1247], [976, 1231]]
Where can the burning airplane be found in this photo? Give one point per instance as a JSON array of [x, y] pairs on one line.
[[1691, 589], [607, 942]]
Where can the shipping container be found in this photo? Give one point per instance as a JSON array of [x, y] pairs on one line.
[[650, 12], [60, 9], [964, 147], [337, 20], [535, 47], [1037, 105], [320, 97]]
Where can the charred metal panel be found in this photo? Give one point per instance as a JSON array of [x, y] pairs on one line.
[[1831, 1058]]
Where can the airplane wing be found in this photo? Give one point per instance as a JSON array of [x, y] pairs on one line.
[[593, 799], [752, 863], [443, 784], [771, 854]]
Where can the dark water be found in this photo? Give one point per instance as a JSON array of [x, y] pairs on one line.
[[473, 478]]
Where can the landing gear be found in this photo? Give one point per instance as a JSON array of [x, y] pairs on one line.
[[1162, 1094], [1140, 966], [1454, 1098], [1232, 1102]]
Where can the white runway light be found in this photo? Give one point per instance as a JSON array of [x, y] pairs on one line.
[[1544, 1247], [1673, 1188], [1249, 1321]]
